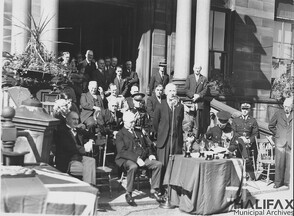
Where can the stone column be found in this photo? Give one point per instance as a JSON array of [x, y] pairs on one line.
[[50, 37], [202, 35], [183, 41], [20, 17]]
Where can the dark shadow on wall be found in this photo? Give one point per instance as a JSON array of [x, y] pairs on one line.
[[251, 59]]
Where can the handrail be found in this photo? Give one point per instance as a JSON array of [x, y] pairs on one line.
[[217, 105]]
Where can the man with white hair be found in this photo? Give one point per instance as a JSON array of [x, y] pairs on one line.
[[281, 127], [91, 102], [134, 150]]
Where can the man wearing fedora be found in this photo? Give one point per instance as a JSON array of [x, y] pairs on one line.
[[159, 77]]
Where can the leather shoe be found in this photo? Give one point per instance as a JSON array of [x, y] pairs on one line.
[[276, 186], [156, 196], [129, 198]]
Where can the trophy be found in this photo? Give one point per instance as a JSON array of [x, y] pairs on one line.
[[190, 139]]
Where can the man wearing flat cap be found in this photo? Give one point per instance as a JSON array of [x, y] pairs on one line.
[[159, 77], [221, 133], [245, 130], [281, 126]]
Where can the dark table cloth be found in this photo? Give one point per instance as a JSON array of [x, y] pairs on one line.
[[49, 192], [202, 186]]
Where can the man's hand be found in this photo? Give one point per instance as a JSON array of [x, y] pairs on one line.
[[196, 96], [152, 157], [81, 125], [89, 145], [140, 162], [100, 89], [114, 134]]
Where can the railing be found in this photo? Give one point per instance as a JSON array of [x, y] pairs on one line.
[[217, 105]]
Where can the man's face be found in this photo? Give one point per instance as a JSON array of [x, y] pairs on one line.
[[72, 120], [107, 62], [171, 93], [158, 91], [161, 69], [137, 104], [129, 65], [92, 89], [118, 71], [287, 109], [114, 62], [197, 69], [101, 64], [113, 107], [89, 56], [134, 90], [245, 111], [113, 90]]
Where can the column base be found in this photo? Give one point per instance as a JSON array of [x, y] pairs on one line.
[[180, 83]]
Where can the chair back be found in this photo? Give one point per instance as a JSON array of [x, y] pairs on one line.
[[265, 150]]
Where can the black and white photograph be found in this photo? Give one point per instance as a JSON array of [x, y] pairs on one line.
[[147, 107]]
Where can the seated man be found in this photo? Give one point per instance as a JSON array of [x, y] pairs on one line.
[[91, 102], [222, 133], [115, 97], [71, 150], [128, 103], [133, 150]]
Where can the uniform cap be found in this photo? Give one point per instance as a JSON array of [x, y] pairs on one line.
[[223, 115], [138, 96], [245, 106]]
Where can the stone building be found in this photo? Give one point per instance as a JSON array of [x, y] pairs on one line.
[[250, 42]]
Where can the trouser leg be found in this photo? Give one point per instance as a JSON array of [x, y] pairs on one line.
[[131, 168], [89, 170], [156, 167], [287, 166], [280, 160]]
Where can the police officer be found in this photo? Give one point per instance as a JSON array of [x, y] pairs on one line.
[[222, 133], [245, 130]]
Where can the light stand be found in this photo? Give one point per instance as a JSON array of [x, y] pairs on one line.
[[167, 204]]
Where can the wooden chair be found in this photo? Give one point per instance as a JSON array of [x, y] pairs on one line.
[[103, 173], [265, 159]]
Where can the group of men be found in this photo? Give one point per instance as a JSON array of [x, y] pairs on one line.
[[147, 134]]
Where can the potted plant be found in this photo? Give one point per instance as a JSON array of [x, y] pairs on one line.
[[36, 68], [217, 85], [283, 87]]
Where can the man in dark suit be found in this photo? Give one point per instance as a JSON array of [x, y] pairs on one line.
[[99, 75], [134, 150], [129, 101], [131, 78], [152, 102], [91, 102], [71, 150], [196, 88], [281, 125], [86, 68], [159, 77], [167, 121], [120, 83], [111, 71]]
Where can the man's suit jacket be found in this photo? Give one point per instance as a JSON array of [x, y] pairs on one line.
[[100, 78], [111, 74], [192, 87], [89, 68], [126, 146], [68, 147], [281, 127], [121, 86], [87, 103], [162, 122], [156, 79], [152, 103], [107, 123]]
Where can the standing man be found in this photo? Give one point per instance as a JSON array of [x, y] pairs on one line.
[[131, 78], [86, 68], [281, 126], [159, 77], [169, 126], [99, 75], [133, 151], [71, 150], [196, 88], [120, 83], [111, 71]]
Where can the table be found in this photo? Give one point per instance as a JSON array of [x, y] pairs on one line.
[[202, 186], [49, 192]]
